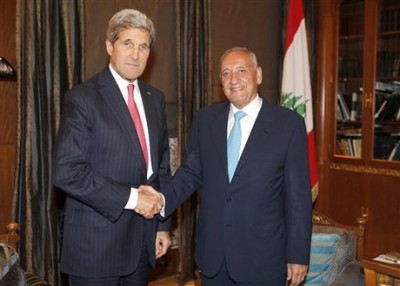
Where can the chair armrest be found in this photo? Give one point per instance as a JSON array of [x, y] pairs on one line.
[[34, 280], [351, 275]]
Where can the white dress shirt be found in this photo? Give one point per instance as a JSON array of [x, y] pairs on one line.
[[123, 86]]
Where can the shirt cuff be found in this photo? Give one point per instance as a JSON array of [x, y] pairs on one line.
[[132, 201], [162, 211]]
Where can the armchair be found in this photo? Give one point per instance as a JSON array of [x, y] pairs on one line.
[[336, 252], [11, 273], [11, 237]]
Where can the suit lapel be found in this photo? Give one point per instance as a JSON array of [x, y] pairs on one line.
[[109, 90], [218, 131], [261, 129], [151, 118]]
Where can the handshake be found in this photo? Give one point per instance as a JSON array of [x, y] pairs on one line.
[[149, 202]]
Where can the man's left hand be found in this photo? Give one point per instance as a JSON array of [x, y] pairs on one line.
[[296, 273], [163, 242]]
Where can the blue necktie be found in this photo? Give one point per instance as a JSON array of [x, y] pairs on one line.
[[234, 140]]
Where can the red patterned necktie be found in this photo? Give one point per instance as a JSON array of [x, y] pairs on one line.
[[138, 123]]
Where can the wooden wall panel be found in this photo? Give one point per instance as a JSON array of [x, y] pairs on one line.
[[8, 112], [350, 190], [7, 175], [382, 197]]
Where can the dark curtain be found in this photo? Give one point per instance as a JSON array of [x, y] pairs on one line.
[[194, 92], [49, 62]]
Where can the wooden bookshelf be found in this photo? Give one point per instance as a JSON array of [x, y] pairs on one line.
[[357, 50]]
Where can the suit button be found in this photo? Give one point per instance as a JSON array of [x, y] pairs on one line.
[[229, 200]]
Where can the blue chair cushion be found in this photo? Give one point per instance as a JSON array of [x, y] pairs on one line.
[[323, 249]]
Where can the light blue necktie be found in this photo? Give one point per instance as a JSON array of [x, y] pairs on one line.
[[234, 140]]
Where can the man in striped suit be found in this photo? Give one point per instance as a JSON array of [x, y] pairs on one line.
[[104, 151]]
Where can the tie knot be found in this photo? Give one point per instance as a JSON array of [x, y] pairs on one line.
[[239, 115], [131, 86]]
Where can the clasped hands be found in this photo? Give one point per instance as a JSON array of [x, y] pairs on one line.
[[149, 202]]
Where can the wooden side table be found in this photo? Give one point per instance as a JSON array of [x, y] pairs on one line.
[[381, 274]]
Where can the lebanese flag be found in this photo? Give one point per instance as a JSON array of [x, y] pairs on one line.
[[296, 85]]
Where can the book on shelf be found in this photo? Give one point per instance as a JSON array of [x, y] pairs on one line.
[[389, 20], [385, 146], [339, 149], [356, 147], [398, 114], [353, 109], [343, 107], [380, 109], [349, 147], [391, 87], [396, 67], [388, 63], [343, 147], [339, 115], [392, 108], [395, 153], [387, 101]]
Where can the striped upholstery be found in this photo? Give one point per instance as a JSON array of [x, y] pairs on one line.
[[345, 249], [323, 248]]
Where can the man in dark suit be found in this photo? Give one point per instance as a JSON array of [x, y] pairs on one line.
[[113, 138], [254, 225]]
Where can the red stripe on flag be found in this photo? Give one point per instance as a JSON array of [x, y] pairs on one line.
[[312, 159], [294, 18]]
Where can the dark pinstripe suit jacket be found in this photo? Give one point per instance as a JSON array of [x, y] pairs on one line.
[[97, 160], [262, 219]]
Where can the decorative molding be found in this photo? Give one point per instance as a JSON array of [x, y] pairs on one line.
[[365, 169], [319, 219]]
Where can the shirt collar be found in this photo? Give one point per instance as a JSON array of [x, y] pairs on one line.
[[121, 82], [251, 109]]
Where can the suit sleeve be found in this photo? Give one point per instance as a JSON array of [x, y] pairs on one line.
[[72, 171], [187, 178], [164, 169], [298, 202]]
